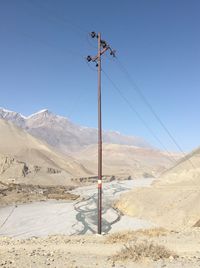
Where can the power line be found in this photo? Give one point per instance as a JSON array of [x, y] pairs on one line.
[[135, 86], [148, 104], [80, 29], [171, 158]]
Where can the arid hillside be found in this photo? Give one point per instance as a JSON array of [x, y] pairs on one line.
[[173, 200], [125, 160], [47, 136], [23, 158], [187, 170]]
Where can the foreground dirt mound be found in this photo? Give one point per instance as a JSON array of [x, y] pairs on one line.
[[171, 207]]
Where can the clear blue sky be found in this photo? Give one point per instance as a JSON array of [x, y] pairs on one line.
[[42, 66]]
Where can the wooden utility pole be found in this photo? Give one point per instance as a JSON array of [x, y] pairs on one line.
[[102, 48], [99, 139]]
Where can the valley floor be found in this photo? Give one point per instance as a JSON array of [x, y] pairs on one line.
[[69, 217], [30, 235]]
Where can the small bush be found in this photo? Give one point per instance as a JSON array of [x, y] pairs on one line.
[[141, 250]]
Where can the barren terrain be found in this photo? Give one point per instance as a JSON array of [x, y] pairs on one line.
[[25, 159], [126, 160], [173, 201], [153, 248], [32, 235]]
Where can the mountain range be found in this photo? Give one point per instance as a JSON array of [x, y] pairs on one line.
[[58, 146], [64, 135]]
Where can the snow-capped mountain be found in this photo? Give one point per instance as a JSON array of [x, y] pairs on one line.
[[14, 117], [63, 134]]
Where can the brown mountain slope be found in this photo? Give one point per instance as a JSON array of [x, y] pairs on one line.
[[122, 155], [125, 160], [173, 201], [27, 159]]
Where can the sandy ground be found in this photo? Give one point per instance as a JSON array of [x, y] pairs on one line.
[[88, 251]]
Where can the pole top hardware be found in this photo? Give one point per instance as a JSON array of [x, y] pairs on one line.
[[93, 34], [105, 46]]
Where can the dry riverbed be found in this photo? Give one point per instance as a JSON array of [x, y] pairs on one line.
[[62, 234], [71, 217]]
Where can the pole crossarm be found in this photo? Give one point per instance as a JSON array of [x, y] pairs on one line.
[[102, 48], [95, 58]]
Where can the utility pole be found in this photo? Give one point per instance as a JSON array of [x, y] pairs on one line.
[[102, 48]]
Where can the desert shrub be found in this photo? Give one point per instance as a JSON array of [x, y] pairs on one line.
[[138, 251]]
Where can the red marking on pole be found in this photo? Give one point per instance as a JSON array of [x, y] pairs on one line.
[[99, 184]]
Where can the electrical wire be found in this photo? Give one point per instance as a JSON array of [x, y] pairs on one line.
[[9, 215], [170, 157], [80, 29], [148, 104]]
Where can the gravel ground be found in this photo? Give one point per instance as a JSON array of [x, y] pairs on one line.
[[91, 251]]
